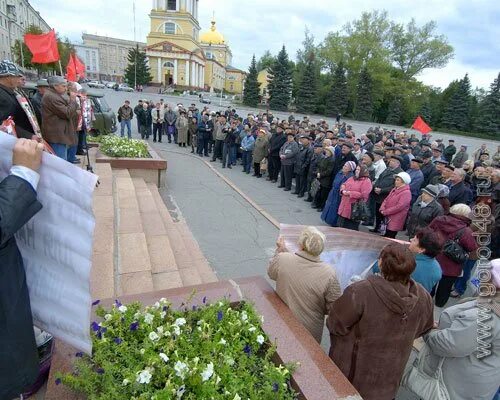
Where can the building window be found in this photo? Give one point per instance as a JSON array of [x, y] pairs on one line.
[[172, 5], [170, 28], [209, 55], [168, 64]]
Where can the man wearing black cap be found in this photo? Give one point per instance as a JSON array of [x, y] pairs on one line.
[[36, 101], [288, 155], [313, 169], [345, 155], [427, 168], [277, 140], [302, 163], [440, 144], [460, 157], [382, 187], [442, 174], [415, 148], [417, 178], [424, 210], [449, 151], [437, 154]]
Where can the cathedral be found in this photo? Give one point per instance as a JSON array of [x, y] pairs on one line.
[[182, 57]]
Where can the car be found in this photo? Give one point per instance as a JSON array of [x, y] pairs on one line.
[[96, 84], [110, 85], [205, 100], [105, 118], [124, 88]]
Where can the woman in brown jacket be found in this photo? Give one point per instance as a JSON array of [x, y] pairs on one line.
[[374, 323]]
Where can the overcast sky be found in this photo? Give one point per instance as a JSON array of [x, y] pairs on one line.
[[253, 26]]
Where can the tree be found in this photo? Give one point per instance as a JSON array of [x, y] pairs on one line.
[[265, 61], [252, 87], [457, 112], [303, 54], [337, 100], [490, 109], [395, 111], [137, 71], [414, 49], [364, 103], [426, 112], [306, 95], [280, 82]]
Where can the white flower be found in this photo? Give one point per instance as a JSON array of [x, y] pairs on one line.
[[180, 322], [199, 328], [177, 330], [153, 336], [162, 314], [122, 309], [229, 361], [208, 372], [217, 379], [236, 397], [260, 339], [222, 341], [163, 300], [181, 369], [144, 376], [160, 330], [157, 305], [125, 382], [244, 316], [142, 351], [252, 328], [180, 392], [148, 318], [262, 318], [107, 317], [164, 357]]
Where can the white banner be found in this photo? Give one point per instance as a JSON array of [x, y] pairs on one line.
[[56, 245]]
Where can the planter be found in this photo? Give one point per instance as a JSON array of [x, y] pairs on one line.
[[152, 169], [316, 377]]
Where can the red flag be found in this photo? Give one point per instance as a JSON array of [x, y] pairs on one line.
[[43, 47], [420, 125], [75, 67]]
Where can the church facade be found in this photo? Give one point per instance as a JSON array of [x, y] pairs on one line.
[[180, 57]]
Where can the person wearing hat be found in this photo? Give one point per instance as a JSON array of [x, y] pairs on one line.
[[277, 140], [36, 100], [368, 160], [59, 116], [396, 205], [424, 210], [344, 156], [288, 154], [325, 177], [437, 154], [302, 163], [456, 227], [378, 162], [439, 144], [442, 174], [313, 169], [260, 151], [460, 158], [428, 168], [449, 151], [357, 151], [417, 178], [182, 126], [10, 97], [414, 147]]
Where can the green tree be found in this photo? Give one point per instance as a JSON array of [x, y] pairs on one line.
[[364, 103], [338, 97], [137, 71], [308, 48], [266, 61], [426, 112], [252, 87], [280, 82], [490, 109], [414, 48], [306, 95], [395, 112], [457, 112]]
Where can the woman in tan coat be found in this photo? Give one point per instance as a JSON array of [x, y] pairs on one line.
[[374, 323], [182, 125], [307, 285]]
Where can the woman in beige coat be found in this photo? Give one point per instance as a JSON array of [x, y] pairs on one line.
[[307, 285], [182, 125]]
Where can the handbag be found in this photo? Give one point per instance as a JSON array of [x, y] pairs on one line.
[[263, 165], [454, 251], [424, 386], [360, 212], [314, 188]]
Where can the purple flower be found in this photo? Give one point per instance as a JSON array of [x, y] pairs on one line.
[[247, 349], [79, 354], [118, 340], [275, 387], [194, 308], [58, 381], [220, 314], [205, 300], [104, 330], [134, 326], [100, 371], [95, 326], [96, 302], [99, 335], [117, 303]]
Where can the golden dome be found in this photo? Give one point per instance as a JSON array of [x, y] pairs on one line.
[[213, 36]]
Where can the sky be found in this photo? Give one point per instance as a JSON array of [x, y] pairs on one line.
[[254, 26]]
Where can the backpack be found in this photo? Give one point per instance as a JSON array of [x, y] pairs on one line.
[[454, 251]]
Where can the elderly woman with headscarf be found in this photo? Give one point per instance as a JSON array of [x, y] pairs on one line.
[[307, 285], [330, 212], [396, 205], [356, 188]]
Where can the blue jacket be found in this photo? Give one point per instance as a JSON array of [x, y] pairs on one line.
[[417, 179], [248, 143], [427, 273]]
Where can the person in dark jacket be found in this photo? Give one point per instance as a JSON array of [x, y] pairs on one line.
[[36, 101], [10, 82], [302, 163], [277, 140], [449, 151], [383, 186], [18, 204], [424, 210], [460, 158], [145, 121], [228, 148], [345, 155], [313, 169], [136, 112], [205, 128], [325, 177], [459, 192], [427, 168], [417, 177], [288, 155]]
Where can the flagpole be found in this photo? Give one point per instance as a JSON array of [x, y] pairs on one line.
[[137, 49], [60, 68]]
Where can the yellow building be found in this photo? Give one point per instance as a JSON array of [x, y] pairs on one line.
[[263, 79]]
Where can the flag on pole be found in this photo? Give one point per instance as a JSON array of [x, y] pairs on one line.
[[75, 68], [420, 125], [43, 47]]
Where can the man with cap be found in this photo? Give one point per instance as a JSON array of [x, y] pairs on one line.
[[36, 101], [441, 175], [428, 168], [417, 178], [449, 151], [345, 155], [366, 144], [313, 169], [440, 145], [11, 99], [460, 157], [383, 186], [288, 155], [424, 210], [414, 147], [378, 162], [59, 116], [277, 140], [302, 163]]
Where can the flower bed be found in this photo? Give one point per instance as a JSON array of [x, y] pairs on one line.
[[115, 146], [215, 351]]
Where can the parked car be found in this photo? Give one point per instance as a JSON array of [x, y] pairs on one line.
[[110, 85], [205, 100], [96, 84], [125, 88], [105, 118]]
